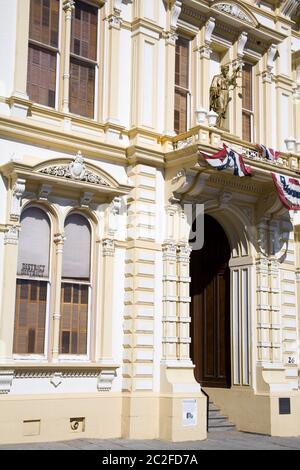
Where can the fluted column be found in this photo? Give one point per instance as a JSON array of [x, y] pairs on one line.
[[59, 239], [68, 7]]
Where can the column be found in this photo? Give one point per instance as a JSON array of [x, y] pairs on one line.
[[59, 240], [169, 333], [107, 294], [11, 237], [170, 82], [262, 290], [139, 281], [114, 22], [68, 7], [172, 15], [297, 109], [203, 66], [19, 104], [184, 299], [266, 122]]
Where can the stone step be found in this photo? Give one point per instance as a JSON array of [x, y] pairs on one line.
[[216, 418], [217, 421]]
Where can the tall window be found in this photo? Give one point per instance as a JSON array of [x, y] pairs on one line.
[[181, 85], [83, 59], [75, 286], [43, 51], [247, 102], [32, 283]]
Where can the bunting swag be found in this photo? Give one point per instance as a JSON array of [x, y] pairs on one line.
[[288, 190], [228, 158], [268, 153]]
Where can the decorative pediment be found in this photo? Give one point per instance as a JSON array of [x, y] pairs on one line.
[[236, 11], [75, 170]]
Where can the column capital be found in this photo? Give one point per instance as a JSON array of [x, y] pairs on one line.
[[11, 236], [68, 5], [114, 21], [108, 246], [59, 238], [171, 38]]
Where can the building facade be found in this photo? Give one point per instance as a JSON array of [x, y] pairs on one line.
[[111, 324]]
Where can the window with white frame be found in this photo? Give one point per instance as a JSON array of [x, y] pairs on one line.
[[83, 60], [32, 290], [44, 52], [75, 288]]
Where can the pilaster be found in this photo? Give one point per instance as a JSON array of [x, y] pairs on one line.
[[59, 240], [11, 238], [139, 338], [113, 24], [19, 107], [68, 7]]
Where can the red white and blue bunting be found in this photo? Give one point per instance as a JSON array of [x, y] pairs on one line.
[[228, 158], [268, 153], [288, 190]]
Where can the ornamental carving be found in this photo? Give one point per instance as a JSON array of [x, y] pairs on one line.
[[233, 10], [75, 171]]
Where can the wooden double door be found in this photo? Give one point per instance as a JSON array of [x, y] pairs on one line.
[[210, 292]]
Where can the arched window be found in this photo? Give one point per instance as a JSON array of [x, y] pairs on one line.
[[32, 282], [75, 286]]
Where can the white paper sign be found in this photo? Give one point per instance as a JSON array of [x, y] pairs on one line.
[[189, 412]]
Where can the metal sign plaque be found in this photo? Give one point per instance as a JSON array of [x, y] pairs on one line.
[[189, 412], [33, 270]]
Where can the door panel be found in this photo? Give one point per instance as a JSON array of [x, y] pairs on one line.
[[210, 292]]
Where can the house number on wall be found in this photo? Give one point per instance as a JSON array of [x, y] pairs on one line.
[[291, 360]]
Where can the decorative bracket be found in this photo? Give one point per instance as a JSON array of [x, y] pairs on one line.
[[17, 193], [243, 37], [86, 199], [105, 380], [6, 378], [44, 192], [56, 379]]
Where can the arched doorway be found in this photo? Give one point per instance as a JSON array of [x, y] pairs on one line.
[[210, 293]]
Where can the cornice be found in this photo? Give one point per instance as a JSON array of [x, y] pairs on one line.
[[138, 154], [142, 22], [30, 132]]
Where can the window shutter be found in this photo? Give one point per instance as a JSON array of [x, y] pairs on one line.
[[247, 102], [83, 51], [181, 84], [247, 87], [33, 254], [77, 246], [43, 29]]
